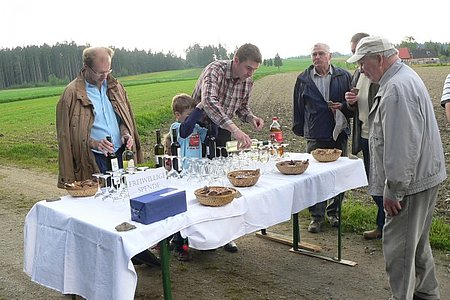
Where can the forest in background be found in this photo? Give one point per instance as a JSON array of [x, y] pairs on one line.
[[34, 66]]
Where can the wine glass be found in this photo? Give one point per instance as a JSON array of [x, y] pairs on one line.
[[117, 181], [106, 193], [283, 147], [99, 190], [168, 165], [220, 148], [264, 157]]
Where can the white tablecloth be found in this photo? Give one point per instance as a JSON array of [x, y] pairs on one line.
[[276, 197], [71, 245]]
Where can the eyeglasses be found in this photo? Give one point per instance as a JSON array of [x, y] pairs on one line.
[[320, 53], [100, 73]]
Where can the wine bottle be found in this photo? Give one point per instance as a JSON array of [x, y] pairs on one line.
[[210, 141], [211, 147], [175, 150], [159, 150], [113, 162], [128, 159], [232, 146]]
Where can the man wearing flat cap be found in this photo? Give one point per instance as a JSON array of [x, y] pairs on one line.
[[407, 166]]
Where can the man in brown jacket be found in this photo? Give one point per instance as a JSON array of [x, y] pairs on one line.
[[93, 106]]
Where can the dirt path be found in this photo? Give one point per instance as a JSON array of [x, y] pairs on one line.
[[260, 270]]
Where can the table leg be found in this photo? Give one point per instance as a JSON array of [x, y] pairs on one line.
[[295, 242], [295, 232], [164, 256], [341, 197], [300, 247]]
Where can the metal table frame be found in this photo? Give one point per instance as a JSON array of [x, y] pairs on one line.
[[306, 248]]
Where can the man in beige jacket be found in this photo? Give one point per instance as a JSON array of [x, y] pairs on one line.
[[407, 166]]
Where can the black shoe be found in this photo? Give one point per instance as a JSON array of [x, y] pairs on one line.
[[146, 257], [334, 221], [230, 247]]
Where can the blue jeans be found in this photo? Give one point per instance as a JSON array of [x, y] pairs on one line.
[[378, 199]]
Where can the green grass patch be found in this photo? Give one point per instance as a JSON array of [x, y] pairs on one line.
[[440, 234], [31, 155], [358, 217]]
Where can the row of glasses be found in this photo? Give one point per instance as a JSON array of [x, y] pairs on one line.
[[114, 187], [207, 171]]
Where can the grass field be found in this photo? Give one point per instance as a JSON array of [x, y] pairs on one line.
[[27, 115]]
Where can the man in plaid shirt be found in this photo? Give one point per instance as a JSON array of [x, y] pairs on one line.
[[223, 90]]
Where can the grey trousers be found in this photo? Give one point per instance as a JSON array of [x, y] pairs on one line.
[[406, 248]]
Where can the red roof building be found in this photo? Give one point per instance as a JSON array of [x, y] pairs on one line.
[[404, 54]]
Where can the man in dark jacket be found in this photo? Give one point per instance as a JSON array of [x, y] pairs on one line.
[[319, 100]]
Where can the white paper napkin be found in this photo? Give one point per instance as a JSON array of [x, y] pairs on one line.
[[341, 124]]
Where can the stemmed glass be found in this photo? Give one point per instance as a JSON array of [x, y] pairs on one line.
[[264, 157], [168, 165], [99, 190], [106, 193], [283, 146], [117, 180], [220, 148]]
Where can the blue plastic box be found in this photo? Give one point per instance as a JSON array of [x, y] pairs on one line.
[[158, 205]]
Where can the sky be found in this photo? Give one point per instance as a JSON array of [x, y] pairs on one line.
[[289, 28]]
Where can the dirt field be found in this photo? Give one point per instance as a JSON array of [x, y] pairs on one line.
[[261, 269]]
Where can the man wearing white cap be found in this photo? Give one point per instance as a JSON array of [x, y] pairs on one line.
[[407, 166]]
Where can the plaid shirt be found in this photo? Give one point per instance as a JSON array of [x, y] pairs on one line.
[[223, 95]]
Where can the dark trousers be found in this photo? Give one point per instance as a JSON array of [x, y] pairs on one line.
[[102, 160], [222, 138], [378, 199], [318, 210]]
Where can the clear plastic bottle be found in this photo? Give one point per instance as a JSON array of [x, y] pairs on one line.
[[275, 128]]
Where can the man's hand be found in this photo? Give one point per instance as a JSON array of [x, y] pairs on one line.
[[257, 123], [335, 106], [351, 97], [128, 140], [392, 207], [244, 141], [102, 145]]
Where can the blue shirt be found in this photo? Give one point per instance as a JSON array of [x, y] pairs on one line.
[[190, 146], [106, 122]]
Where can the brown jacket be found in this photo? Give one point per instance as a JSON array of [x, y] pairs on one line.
[[74, 119]]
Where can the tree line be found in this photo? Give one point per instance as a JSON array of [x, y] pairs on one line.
[[442, 49], [51, 65]]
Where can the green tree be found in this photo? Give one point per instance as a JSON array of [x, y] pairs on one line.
[[277, 62], [409, 42]]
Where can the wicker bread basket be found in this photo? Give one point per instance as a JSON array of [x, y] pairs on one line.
[[215, 195], [292, 167], [326, 155], [243, 178], [84, 188]]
